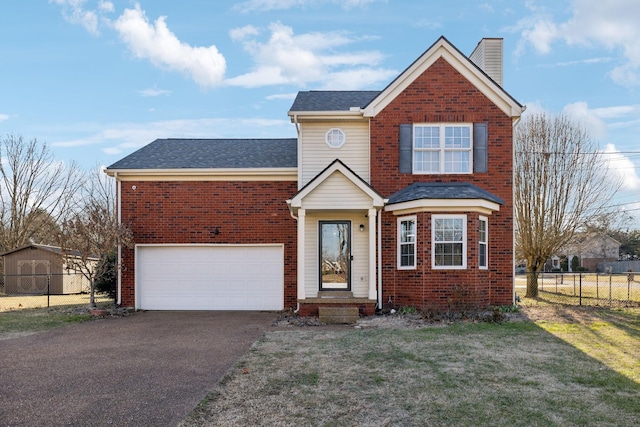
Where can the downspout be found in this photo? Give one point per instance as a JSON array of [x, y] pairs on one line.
[[119, 214], [380, 259], [513, 198]]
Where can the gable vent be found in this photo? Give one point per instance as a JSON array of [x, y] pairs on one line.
[[488, 56]]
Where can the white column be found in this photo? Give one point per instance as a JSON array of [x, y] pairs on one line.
[[300, 261], [372, 253]]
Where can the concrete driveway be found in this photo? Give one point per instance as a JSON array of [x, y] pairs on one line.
[[147, 369]]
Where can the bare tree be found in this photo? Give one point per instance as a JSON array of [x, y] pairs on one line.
[[35, 190], [560, 185], [93, 231]]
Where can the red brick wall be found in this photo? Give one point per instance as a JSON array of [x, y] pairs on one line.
[[190, 211], [442, 94]]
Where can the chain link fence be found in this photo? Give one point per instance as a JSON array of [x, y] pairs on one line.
[[47, 290], [596, 289]]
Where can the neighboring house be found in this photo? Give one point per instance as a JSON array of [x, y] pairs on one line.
[[590, 249], [38, 269], [401, 196]]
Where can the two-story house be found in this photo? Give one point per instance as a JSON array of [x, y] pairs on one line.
[[402, 196]]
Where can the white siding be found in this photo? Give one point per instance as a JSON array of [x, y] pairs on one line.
[[317, 155], [337, 192], [359, 250]]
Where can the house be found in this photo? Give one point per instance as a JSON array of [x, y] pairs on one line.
[[401, 196], [40, 269], [589, 249]]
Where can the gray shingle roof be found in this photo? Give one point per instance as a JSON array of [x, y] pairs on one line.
[[332, 100], [213, 153], [441, 190]]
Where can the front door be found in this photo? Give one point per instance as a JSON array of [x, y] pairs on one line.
[[335, 255]]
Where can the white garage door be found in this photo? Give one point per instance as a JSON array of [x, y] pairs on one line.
[[233, 277]]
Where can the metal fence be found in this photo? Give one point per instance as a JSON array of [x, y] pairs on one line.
[[601, 289], [47, 290]]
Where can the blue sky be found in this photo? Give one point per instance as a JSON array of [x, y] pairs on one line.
[[97, 79]]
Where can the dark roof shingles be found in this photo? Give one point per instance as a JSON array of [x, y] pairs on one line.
[[332, 100], [441, 190], [213, 154]]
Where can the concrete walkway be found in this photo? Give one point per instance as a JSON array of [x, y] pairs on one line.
[[147, 369]]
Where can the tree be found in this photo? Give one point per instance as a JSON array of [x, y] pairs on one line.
[[93, 231], [35, 191], [560, 186]]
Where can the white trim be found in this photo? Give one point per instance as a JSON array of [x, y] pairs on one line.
[[399, 221], [443, 205], [484, 219], [464, 243], [190, 174], [301, 254], [376, 200], [443, 49], [373, 213]]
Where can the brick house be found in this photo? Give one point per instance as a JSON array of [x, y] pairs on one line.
[[401, 196]]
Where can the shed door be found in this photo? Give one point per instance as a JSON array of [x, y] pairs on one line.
[[233, 277]]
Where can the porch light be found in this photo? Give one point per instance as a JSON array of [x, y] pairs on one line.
[[361, 227]]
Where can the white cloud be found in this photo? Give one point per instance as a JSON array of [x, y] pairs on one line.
[[265, 5], [611, 24], [106, 6], [622, 167], [73, 11], [287, 96], [4, 117], [120, 138], [242, 33], [580, 113], [154, 92], [286, 58], [205, 65]]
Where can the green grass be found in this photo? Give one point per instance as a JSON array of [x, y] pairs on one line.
[[25, 321], [547, 373]]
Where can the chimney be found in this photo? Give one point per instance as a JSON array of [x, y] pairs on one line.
[[488, 56]]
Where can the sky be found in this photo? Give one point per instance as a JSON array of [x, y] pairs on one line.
[[97, 79]]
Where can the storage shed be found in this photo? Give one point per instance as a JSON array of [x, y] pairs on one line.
[[31, 269]]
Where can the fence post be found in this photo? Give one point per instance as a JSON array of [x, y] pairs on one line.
[[610, 275], [597, 287], [48, 290], [574, 278]]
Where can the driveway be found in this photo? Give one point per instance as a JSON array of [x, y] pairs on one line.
[[150, 368]]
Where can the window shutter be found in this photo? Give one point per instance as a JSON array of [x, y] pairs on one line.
[[479, 147], [406, 148]]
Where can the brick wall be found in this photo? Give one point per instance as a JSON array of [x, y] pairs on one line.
[[440, 95], [191, 211]]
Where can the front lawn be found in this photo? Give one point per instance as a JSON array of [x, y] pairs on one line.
[[575, 368]]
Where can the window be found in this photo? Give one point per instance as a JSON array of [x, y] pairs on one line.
[[335, 138], [449, 234], [442, 148], [483, 239], [407, 243]]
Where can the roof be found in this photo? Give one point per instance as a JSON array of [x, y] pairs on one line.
[[213, 154], [53, 249], [441, 190], [336, 165], [332, 100]]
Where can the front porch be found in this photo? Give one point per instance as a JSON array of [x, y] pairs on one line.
[[334, 299]]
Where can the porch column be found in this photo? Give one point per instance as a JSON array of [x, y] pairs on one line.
[[372, 253], [300, 261]]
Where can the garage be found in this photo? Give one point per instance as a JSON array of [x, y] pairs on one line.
[[210, 277]]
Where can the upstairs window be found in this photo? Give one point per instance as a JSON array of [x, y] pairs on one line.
[[442, 148], [335, 138]]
